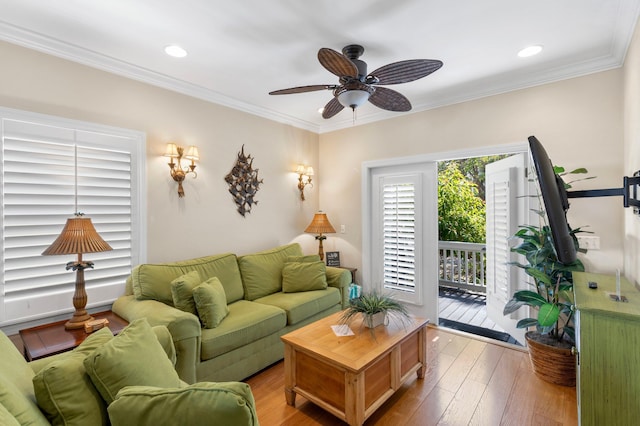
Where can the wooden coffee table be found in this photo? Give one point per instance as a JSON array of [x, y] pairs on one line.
[[352, 376]]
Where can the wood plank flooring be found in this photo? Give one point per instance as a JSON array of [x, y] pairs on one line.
[[469, 381]]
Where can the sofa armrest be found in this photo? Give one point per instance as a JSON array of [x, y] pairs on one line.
[[340, 279], [184, 327]]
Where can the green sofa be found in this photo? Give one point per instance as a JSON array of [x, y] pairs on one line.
[[123, 380], [268, 294]]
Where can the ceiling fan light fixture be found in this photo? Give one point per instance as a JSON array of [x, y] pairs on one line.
[[353, 98]]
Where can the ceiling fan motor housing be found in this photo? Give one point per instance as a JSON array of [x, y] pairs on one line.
[[353, 52]]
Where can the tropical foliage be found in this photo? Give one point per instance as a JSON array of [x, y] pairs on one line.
[[473, 169], [552, 296], [461, 212]]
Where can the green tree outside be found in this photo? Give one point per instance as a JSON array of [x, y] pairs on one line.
[[461, 212]]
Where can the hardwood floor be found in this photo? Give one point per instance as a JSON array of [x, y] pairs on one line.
[[469, 381]]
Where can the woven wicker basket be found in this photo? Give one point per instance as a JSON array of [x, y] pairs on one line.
[[554, 365]]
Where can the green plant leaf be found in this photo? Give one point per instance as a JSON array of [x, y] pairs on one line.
[[548, 315], [511, 306], [538, 275], [579, 170], [571, 332], [527, 322], [529, 298]]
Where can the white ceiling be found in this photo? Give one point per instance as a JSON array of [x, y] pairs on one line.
[[241, 50]]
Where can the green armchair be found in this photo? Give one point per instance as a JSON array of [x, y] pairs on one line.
[[122, 380]]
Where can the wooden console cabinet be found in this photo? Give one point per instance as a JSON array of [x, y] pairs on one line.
[[608, 344]]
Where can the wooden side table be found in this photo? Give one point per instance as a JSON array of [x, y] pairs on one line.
[[353, 273], [50, 339]]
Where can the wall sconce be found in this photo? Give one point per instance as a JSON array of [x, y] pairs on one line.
[[304, 178], [178, 172]]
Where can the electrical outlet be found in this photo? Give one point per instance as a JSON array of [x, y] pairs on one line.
[[343, 229], [589, 242]]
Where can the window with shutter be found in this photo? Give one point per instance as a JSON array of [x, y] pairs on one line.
[[399, 236], [50, 168], [398, 241]]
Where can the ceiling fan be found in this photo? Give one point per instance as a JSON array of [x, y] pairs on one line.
[[357, 86]]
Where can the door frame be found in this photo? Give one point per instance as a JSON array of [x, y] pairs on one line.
[[368, 168]]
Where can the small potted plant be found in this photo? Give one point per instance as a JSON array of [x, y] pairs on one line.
[[376, 309]]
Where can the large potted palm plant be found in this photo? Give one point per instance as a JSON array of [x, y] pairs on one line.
[[551, 298]]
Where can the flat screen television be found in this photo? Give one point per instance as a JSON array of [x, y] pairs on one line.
[[556, 203]]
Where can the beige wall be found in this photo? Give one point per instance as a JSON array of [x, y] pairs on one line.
[[205, 221], [579, 121], [632, 154]]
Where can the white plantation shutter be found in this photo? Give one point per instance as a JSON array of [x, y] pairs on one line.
[[39, 171], [399, 236], [500, 227], [508, 206]]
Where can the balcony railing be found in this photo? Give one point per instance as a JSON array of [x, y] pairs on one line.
[[462, 265]]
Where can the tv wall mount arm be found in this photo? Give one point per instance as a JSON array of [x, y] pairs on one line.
[[629, 192]]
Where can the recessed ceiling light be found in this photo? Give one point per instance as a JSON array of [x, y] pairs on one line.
[[175, 51], [530, 51]]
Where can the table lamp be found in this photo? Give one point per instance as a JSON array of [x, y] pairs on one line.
[[77, 237], [320, 225]]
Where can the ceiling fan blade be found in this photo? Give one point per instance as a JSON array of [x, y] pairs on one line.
[[303, 89], [390, 100], [405, 71], [332, 108], [336, 63]]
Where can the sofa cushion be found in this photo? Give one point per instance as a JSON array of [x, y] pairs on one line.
[[16, 388], [262, 271], [230, 403], [182, 291], [132, 358], [211, 302], [6, 418], [303, 276], [303, 305], [246, 323], [59, 384], [153, 281]]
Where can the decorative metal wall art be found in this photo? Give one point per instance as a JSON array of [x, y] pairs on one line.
[[243, 183]]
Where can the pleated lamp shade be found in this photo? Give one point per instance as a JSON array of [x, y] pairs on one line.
[[78, 236], [320, 225]]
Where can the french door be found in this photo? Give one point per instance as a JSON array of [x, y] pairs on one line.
[[402, 235]]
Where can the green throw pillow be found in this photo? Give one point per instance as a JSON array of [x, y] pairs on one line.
[[229, 403], [304, 259], [132, 358], [64, 391], [211, 302], [307, 276], [182, 291]]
